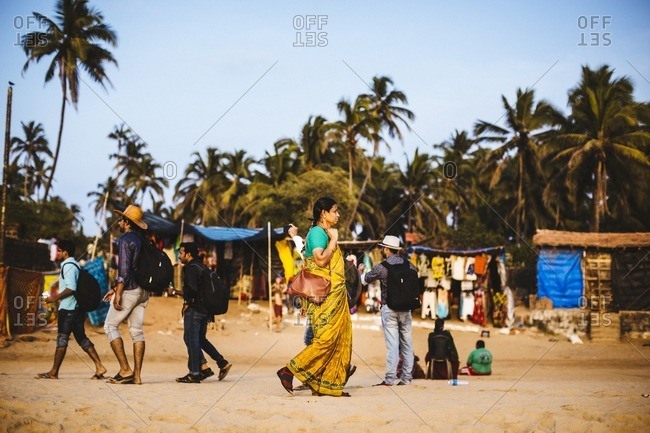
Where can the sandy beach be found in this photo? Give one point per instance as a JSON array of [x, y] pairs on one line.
[[540, 384]]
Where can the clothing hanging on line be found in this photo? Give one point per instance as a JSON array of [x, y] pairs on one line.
[[429, 303]]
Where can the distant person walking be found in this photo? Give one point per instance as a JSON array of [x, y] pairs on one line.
[[324, 365], [196, 318], [395, 324], [71, 319], [128, 300]]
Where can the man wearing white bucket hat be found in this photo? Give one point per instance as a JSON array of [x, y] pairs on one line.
[[396, 324]]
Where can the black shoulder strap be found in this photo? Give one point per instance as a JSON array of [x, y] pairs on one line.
[[388, 265], [204, 270], [198, 265], [70, 263]]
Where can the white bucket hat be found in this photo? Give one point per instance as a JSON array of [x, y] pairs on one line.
[[391, 242]]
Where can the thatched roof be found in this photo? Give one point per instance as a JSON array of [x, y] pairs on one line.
[[557, 238]]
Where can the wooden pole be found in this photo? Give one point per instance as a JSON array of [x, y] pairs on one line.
[[182, 228], [4, 175], [102, 219], [269, 280]]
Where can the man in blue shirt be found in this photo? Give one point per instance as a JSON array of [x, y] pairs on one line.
[[127, 299], [71, 319]]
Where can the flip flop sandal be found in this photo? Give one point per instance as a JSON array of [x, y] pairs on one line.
[[44, 376], [206, 373], [188, 378], [286, 379], [223, 372], [97, 377], [350, 372], [120, 380]]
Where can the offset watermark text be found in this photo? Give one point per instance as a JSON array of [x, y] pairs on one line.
[[28, 28], [309, 30], [594, 30]]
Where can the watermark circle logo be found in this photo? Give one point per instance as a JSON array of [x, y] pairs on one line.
[[450, 170], [170, 170]]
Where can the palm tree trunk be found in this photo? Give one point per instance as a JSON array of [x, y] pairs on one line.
[[361, 191], [409, 224], [350, 172], [520, 194], [598, 196], [58, 144], [26, 172]]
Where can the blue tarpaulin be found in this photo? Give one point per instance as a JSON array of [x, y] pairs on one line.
[[234, 234], [96, 269], [559, 277], [216, 234]]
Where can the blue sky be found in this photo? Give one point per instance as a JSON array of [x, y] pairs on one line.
[[182, 67]]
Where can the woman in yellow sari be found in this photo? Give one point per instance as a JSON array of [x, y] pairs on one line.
[[324, 364]]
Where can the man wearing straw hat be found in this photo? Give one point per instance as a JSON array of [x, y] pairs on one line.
[[127, 299], [396, 324]]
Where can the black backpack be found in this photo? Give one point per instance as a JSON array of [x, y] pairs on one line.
[[352, 283], [154, 271], [88, 293], [214, 293], [402, 289]]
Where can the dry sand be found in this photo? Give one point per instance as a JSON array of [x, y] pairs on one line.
[[539, 384]]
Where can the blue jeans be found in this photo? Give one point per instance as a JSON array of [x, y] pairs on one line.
[[194, 334], [397, 333], [72, 322]]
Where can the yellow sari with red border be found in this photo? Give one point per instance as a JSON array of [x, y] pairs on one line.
[[323, 365]]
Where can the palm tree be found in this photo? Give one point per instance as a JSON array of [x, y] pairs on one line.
[[30, 148], [312, 143], [195, 190], [522, 120], [419, 205], [75, 42], [385, 112], [163, 211], [384, 104], [282, 164], [459, 171], [142, 179], [109, 187], [77, 219], [358, 123], [122, 135], [237, 170], [39, 173], [605, 142], [128, 161]]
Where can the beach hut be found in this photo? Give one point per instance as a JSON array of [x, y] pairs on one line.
[[604, 274]]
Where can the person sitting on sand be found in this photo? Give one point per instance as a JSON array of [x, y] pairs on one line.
[[479, 362], [442, 354]]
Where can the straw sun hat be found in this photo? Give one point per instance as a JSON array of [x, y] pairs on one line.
[[134, 214]]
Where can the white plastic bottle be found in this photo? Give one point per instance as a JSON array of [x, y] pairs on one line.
[[456, 382]]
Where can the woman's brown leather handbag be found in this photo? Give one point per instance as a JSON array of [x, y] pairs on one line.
[[312, 287]]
